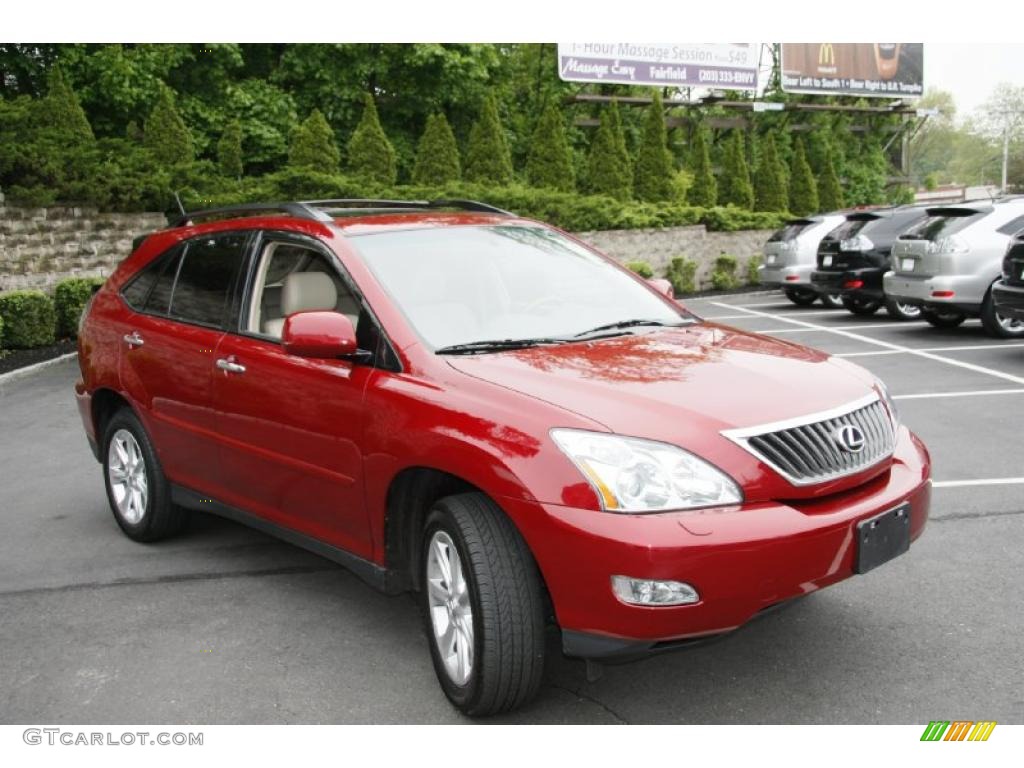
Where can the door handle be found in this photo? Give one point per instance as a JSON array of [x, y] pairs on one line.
[[133, 339], [228, 365]]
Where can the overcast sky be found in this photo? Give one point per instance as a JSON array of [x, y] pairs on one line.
[[971, 70]]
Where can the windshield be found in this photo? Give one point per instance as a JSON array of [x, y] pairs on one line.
[[466, 284]]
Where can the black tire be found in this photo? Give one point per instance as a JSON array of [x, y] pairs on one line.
[[902, 312], [1000, 328], [860, 306], [831, 300], [160, 518], [507, 606], [802, 297], [945, 318]]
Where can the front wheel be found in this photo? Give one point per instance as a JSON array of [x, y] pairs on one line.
[[861, 306], [902, 312], [802, 297], [998, 325], [482, 606], [832, 300], [943, 318]]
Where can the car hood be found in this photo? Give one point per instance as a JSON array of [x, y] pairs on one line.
[[678, 384]]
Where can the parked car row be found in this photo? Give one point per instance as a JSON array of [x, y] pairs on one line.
[[940, 264]]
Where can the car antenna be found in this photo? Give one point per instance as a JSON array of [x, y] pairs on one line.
[[181, 206]]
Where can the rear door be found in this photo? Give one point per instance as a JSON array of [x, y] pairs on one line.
[[182, 304]]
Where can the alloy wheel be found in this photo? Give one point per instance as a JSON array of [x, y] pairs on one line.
[[126, 469], [451, 613], [909, 310]]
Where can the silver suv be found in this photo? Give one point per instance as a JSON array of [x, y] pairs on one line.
[[948, 263], [790, 255]]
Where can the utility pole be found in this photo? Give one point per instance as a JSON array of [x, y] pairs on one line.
[[1006, 154]]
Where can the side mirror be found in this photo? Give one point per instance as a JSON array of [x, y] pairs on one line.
[[662, 286], [319, 335]]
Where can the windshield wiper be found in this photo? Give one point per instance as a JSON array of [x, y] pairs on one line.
[[621, 324], [494, 345]]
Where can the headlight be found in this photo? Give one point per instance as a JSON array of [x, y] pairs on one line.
[[894, 414], [634, 475], [858, 243]]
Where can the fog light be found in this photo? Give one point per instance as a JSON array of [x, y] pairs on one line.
[[653, 591], [943, 294]]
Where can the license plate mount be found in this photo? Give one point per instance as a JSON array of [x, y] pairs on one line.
[[907, 265], [882, 538]]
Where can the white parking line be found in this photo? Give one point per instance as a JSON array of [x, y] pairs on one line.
[[884, 344], [964, 348], [973, 393], [989, 481], [819, 328], [716, 318]]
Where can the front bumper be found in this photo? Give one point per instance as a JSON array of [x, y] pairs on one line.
[[788, 276], [742, 560], [967, 293], [1009, 300], [837, 282]]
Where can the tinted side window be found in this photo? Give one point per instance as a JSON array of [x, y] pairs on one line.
[[160, 297], [140, 288], [205, 279], [1012, 227]]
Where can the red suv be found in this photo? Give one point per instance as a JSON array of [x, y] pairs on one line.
[[450, 399]]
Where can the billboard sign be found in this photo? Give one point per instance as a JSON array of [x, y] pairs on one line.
[[731, 66], [890, 70]]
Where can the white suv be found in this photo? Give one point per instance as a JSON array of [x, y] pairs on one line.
[[948, 263], [790, 255]]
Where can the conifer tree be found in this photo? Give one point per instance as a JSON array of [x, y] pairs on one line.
[[654, 172], [607, 174], [229, 150], [550, 163], [166, 134], [704, 190], [771, 191], [61, 112], [370, 154], [803, 191], [313, 145], [830, 191], [619, 134], [488, 158], [736, 187], [437, 156]]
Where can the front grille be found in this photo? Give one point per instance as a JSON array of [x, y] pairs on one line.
[[808, 451]]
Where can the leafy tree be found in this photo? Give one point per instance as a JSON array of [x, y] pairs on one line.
[[830, 191], [313, 145], [437, 157], [771, 192], [549, 164], [61, 112], [487, 155], [166, 134], [229, 150], [803, 192], [704, 190], [654, 172], [370, 155], [736, 188], [608, 172], [268, 118]]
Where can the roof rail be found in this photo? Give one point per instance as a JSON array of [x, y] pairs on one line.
[[358, 203], [298, 210]]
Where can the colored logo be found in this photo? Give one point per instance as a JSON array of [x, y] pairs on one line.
[[958, 730], [826, 54]]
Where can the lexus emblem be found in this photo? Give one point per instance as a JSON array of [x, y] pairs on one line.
[[850, 438]]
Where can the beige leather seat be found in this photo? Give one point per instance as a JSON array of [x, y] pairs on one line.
[[303, 292]]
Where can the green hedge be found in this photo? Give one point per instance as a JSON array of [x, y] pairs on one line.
[[69, 298], [29, 319]]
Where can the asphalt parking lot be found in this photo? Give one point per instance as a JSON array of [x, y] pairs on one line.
[[226, 625]]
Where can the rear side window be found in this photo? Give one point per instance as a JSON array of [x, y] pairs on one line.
[[142, 293], [789, 232], [849, 228], [944, 225], [1012, 227], [205, 279]]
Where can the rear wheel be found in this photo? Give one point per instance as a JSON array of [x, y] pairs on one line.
[[943, 318], [998, 325], [482, 606], [138, 491], [903, 312], [861, 306], [832, 300], [802, 297]]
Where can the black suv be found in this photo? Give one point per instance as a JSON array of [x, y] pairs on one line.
[[853, 257], [1008, 293]]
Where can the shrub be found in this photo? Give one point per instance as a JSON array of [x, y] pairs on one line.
[[771, 192], [642, 268], [753, 276], [704, 190], [736, 188], [370, 155], [723, 277], [488, 158], [682, 273], [29, 319], [654, 172], [313, 146], [61, 111], [437, 156], [166, 134], [1, 334], [69, 299], [803, 192], [830, 191], [550, 163], [229, 150]]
